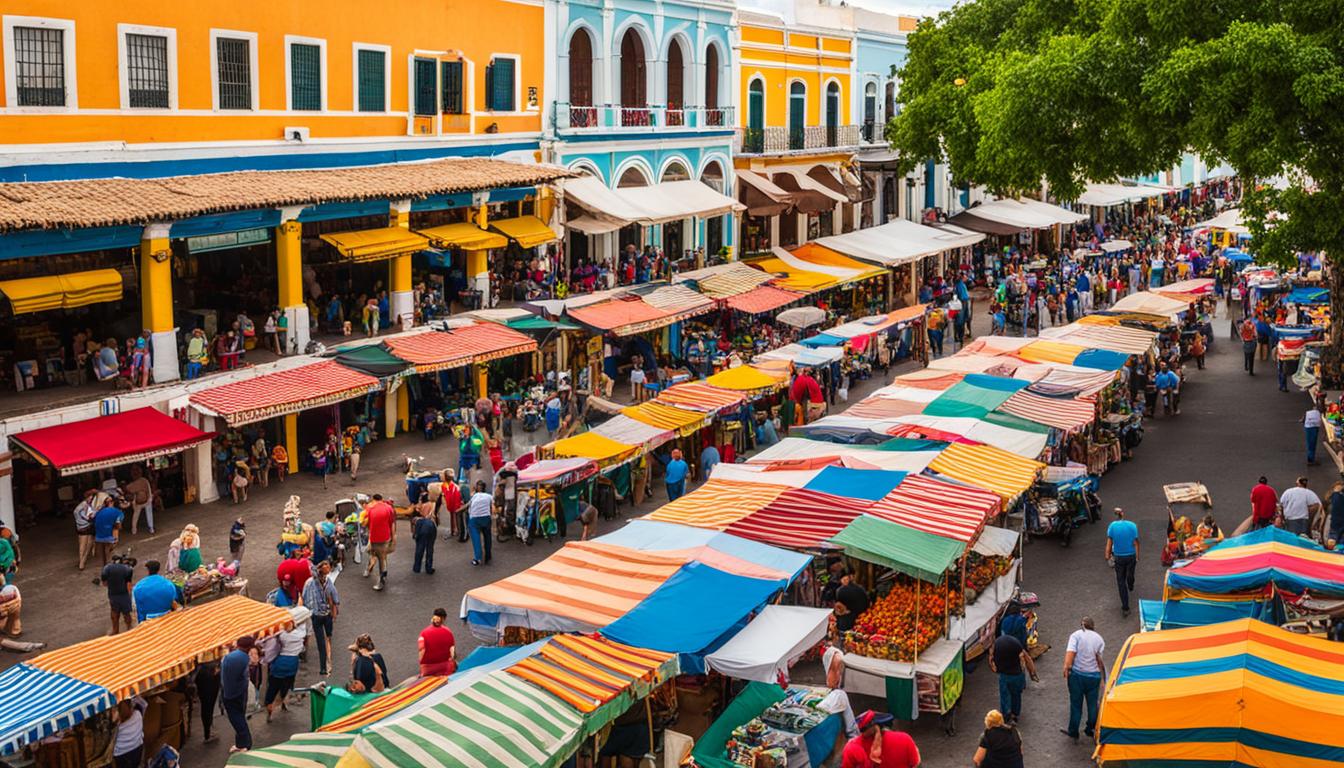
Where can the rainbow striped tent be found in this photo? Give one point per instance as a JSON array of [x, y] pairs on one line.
[[1239, 693], [1253, 562]]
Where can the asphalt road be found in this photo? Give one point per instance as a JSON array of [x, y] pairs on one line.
[[1233, 428]]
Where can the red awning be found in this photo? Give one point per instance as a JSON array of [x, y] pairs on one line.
[[765, 298], [106, 441], [799, 518], [439, 350], [623, 316], [284, 392]]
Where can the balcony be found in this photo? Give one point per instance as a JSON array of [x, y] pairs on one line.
[[583, 117], [812, 139]]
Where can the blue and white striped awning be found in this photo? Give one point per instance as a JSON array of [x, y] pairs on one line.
[[35, 703]]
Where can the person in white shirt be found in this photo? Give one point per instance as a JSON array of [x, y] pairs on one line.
[[1311, 428], [1298, 505], [281, 655], [130, 739], [479, 509], [1084, 669], [837, 701]]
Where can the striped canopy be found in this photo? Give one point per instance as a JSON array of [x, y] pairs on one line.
[[1237, 693], [698, 396], [799, 519], [718, 503], [304, 750], [974, 396], [680, 420], [596, 676], [1253, 561], [938, 507], [985, 466], [35, 703], [1066, 413], [627, 431], [385, 706]]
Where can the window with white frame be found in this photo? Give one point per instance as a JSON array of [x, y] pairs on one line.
[[501, 84], [39, 62], [306, 73], [234, 61], [147, 71], [371, 78]]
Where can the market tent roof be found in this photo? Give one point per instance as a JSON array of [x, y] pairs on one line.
[[718, 504], [809, 195], [1107, 195], [794, 277], [822, 259], [1046, 351], [803, 357], [1236, 693], [376, 244], [593, 226], [942, 508], [1308, 295], [106, 441], [699, 396], [1026, 442], [680, 300], [526, 231], [551, 469], [1066, 413], [595, 675], [762, 196], [795, 449], [67, 291], [692, 611], [933, 379], [679, 420], [373, 359], [676, 200], [284, 392], [35, 704], [745, 378], [722, 281], [1193, 287], [392, 703], [696, 543], [799, 518], [1229, 220], [1259, 558], [463, 234], [478, 343], [985, 466], [1151, 303], [535, 323], [626, 315], [764, 649], [1057, 380], [760, 300], [1130, 341], [165, 648], [802, 317], [605, 203], [627, 431], [302, 750], [915, 553], [1013, 214], [591, 445], [865, 484], [898, 242], [974, 396]]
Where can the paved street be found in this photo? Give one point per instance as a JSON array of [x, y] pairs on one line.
[[1233, 428]]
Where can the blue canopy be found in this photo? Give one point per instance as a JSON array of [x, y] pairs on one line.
[[1238, 256], [656, 536], [1194, 612], [866, 484], [35, 703], [1303, 295], [693, 613], [823, 340], [1101, 359]]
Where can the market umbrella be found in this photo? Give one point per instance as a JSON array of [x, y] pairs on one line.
[[802, 317]]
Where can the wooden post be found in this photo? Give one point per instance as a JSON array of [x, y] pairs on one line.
[[917, 606], [648, 714]]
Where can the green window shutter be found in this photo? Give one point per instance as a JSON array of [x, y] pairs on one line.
[[501, 85], [372, 81], [452, 87], [426, 89], [305, 77]]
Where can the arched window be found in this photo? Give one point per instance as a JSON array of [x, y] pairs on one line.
[[870, 112], [676, 171], [713, 115], [832, 114], [676, 82], [633, 177], [753, 138], [712, 176], [634, 83], [797, 114], [890, 110], [581, 111]]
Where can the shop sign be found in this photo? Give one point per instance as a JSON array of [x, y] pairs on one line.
[[226, 240]]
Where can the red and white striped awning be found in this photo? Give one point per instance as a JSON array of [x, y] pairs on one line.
[[1066, 413], [799, 519], [944, 509]]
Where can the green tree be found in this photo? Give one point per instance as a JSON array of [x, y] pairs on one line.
[[1069, 91]]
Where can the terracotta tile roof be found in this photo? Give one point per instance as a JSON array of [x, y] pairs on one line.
[[439, 350], [116, 201], [284, 392]]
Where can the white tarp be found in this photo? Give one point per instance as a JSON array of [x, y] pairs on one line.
[[748, 473], [764, 649], [802, 317], [1229, 220], [803, 356], [628, 431], [898, 242], [656, 204], [1150, 303], [1024, 214], [1106, 195], [972, 363], [901, 392], [1116, 246], [801, 448], [996, 541], [1026, 444], [841, 273]]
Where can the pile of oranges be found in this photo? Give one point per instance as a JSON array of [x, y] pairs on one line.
[[905, 621]]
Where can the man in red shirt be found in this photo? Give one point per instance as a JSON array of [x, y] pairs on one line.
[[806, 392], [877, 747], [382, 524], [1264, 505], [447, 494], [437, 647], [298, 568]]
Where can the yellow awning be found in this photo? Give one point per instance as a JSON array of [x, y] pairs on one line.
[[463, 235], [376, 244], [684, 422], [746, 378], [794, 278], [79, 289], [1050, 352], [825, 257], [590, 445], [527, 231]]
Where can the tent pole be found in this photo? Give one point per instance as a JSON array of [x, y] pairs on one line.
[[917, 606], [648, 715]]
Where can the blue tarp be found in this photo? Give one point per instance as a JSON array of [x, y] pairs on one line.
[[485, 654], [1193, 612], [1101, 359], [35, 703], [656, 536], [867, 484], [1308, 296], [1000, 383], [823, 340], [693, 613]]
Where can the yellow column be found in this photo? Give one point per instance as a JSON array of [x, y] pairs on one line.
[[482, 380], [292, 440], [156, 303], [289, 269], [399, 276], [545, 204], [478, 262], [404, 410]]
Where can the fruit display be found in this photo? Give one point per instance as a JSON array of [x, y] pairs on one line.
[[905, 621], [981, 571]]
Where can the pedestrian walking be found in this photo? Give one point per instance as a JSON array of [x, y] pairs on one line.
[[1084, 669], [237, 540], [675, 470], [320, 597], [1264, 504], [1122, 550], [142, 499], [84, 514], [382, 522], [282, 660], [207, 691], [1311, 429], [1248, 345], [1011, 661], [117, 576], [424, 531], [1299, 505], [106, 527], [367, 666], [1000, 744], [478, 523], [129, 743], [436, 647], [449, 498], [233, 683]]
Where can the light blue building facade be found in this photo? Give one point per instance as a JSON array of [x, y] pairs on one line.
[[642, 94]]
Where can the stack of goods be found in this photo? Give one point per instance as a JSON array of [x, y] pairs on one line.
[[767, 740], [905, 621], [981, 571], [748, 747]]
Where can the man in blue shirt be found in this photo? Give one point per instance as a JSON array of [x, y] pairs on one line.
[[106, 523], [675, 471], [1084, 285], [1122, 547], [1166, 383], [233, 691], [709, 458], [154, 595]]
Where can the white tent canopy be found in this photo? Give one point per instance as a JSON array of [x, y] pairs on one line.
[[1024, 214], [655, 204], [1106, 195], [1150, 303], [763, 650], [1229, 220], [1115, 246], [899, 242], [802, 317], [803, 356], [1020, 442]]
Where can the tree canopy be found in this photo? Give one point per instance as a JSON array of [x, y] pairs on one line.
[[1014, 92]]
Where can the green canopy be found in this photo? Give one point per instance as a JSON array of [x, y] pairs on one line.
[[1015, 422], [710, 750], [535, 323], [914, 553], [965, 399], [373, 359], [304, 750]]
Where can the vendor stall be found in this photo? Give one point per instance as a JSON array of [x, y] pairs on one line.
[[774, 726]]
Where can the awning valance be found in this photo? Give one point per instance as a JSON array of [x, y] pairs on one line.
[[762, 196], [724, 280], [107, 441], [899, 242], [463, 235], [284, 392], [591, 226], [1016, 215], [827, 261], [527, 231], [376, 244], [79, 289], [836, 182]]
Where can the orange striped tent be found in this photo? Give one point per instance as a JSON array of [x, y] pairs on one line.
[[383, 706], [718, 504], [985, 466], [165, 648], [668, 417], [593, 673], [698, 396]]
